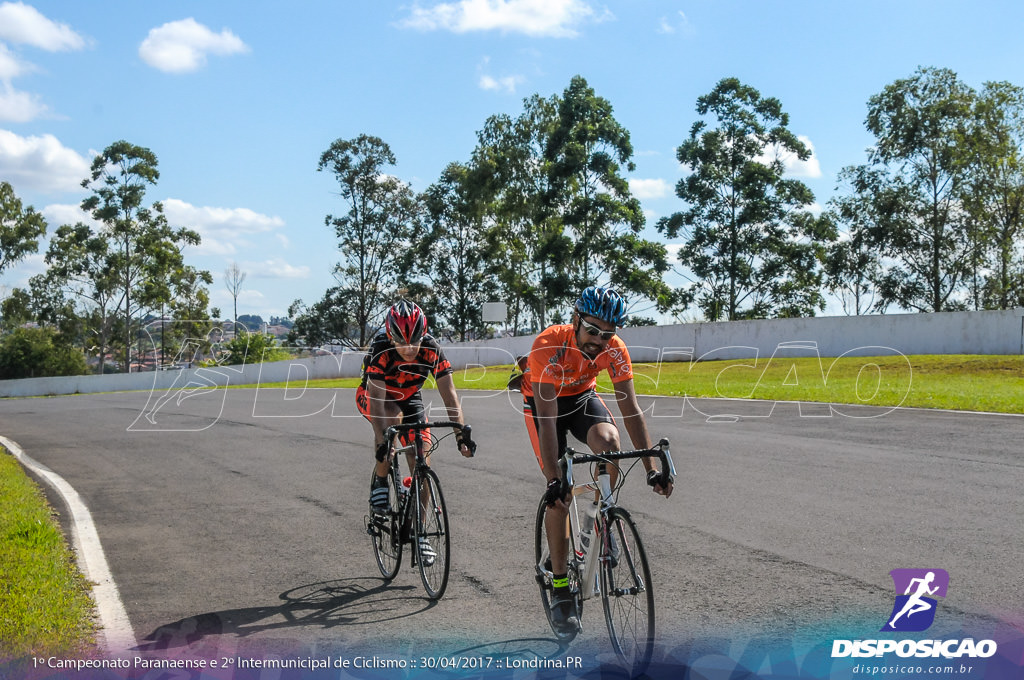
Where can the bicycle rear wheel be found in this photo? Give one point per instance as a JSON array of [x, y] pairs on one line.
[[432, 542], [385, 533], [626, 590], [543, 567]]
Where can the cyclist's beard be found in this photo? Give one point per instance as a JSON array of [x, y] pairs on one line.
[[591, 350]]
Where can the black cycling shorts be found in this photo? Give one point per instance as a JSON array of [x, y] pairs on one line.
[[577, 413], [412, 411]]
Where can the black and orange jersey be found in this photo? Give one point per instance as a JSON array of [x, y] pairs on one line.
[[403, 378], [556, 359]]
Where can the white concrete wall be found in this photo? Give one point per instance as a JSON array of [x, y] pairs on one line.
[[943, 333]]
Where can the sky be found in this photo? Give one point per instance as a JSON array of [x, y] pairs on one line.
[[238, 100]]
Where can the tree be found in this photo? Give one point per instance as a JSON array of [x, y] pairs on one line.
[[509, 162], [233, 279], [921, 161], [190, 302], [372, 235], [586, 153], [254, 348], [38, 353], [20, 228], [145, 249], [995, 200], [852, 266], [80, 267], [327, 322], [750, 243], [452, 254]]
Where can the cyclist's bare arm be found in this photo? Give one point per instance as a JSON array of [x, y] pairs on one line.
[[446, 387], [636, 426]]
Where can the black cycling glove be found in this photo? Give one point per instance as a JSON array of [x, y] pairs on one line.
[[553, 494], [654, 479], [382, 452], [461, 439]]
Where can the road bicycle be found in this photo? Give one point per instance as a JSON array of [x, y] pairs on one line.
[[427, 529], [606, 556]]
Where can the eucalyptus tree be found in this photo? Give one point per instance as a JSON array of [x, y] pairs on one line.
[[382, 214], [852, 265], [190, 303], [144, 247], [80, 267], [452, 251], [20, 228], [995, 200], [586, 153], [751, 244], [921, 163], [510, 168]]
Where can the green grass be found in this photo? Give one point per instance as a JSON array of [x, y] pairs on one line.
[[45, 606], [959, 382]]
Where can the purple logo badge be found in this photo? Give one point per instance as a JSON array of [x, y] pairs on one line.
[[916, 589]]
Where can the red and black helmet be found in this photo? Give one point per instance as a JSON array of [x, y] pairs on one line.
[[405, 323]]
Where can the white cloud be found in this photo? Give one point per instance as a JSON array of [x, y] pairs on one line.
[[793, 165], [537, 18], [10, 66], [677, 24], [18, 276], [649, 188], [59, 214], [182, 46], [275, 268], [40, 164], [505, 84], [221, 229], [23, 24], [16, 106], [19, 107]]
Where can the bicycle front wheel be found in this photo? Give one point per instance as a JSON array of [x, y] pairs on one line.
[[627, 590], [385, 533], [432, 543]]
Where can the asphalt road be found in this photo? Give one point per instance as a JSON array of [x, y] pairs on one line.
[[234, 523]]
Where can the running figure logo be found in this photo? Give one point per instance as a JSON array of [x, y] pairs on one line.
[[914, 609]]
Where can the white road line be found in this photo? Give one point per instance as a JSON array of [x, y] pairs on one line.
[[115, 633]]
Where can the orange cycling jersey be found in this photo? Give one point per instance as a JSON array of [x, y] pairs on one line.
[[556, 359]]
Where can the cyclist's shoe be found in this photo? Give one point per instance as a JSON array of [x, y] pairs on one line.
[[427, 552], [564, 618], [379, 496]]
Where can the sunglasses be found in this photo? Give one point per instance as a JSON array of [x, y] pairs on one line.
[[594, 330]]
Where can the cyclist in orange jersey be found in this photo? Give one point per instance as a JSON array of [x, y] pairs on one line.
[[559, 397]]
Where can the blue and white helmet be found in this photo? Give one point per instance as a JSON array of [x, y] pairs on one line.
[[602, 303]]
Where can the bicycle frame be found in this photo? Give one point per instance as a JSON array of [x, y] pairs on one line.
[[419, 515], [588, 566]]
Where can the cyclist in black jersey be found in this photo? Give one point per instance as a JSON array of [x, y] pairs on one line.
[[400, 359]]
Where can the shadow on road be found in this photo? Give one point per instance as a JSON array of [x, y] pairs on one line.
[[345, 602]]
